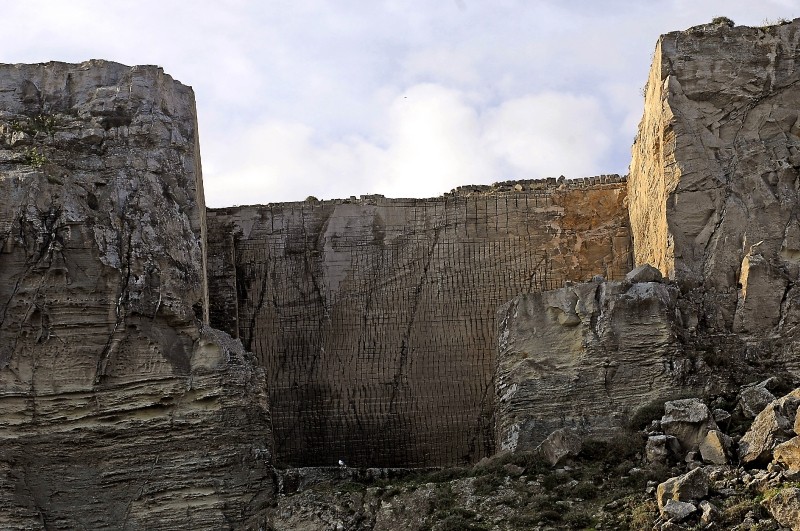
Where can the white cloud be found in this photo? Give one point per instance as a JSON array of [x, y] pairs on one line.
[[436, 139], [549, 134]]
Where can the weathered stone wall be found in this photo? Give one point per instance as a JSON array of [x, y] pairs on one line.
[[375, 318], [118, 406]]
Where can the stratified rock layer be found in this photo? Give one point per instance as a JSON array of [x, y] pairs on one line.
[[585, 357], [375, 317], [118, 407]]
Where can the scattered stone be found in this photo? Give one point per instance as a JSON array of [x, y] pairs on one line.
[[559, 445], [788, 454], [716, 448], [771, 427], [690, 486], [785, 507], [677, 511], [644, 273]]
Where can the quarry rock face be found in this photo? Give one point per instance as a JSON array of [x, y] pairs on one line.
[[714, 176], [375, 318], [585, 357], [117, 402]]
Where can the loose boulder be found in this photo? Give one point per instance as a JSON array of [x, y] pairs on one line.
[[788, 454], [716, 448], [770, 428], [690, 486], [560, 444], [644, 273], [661, 448], [689, 421], [785, 507], [677, 511]]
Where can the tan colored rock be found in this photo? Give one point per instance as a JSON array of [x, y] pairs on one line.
[[117, 403], [690, 486], [785, 507], [712, 190], [770, 428], [788, 454], [716, 448]]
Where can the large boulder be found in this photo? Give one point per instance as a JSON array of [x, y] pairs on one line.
[[788, 454], [559, 445], [692, 486], [785, 507], [770, 428], [716, 448], [689, 420]]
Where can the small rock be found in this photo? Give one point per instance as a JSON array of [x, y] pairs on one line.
[[677, 511], [644, 273], [720, 416], [513, 470], [710, 511], [716, 448], [660, 448], [559, 445]]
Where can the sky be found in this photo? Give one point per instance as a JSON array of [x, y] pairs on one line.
[[410, 98]]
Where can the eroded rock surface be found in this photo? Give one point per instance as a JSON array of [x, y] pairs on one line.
[[375, 317], [713, 182], [585, 357], [119, 407]]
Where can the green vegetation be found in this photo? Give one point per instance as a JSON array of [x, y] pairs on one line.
[[34, 158]]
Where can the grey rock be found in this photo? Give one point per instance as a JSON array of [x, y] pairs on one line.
[[688, 420], [752, 400], [677, 511], [559, 445], [772, 426], [710, 512], [690, 486], [644, 273], [661, 448]]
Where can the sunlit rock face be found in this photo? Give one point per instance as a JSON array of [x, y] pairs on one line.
[[714, 177], [118, 405]]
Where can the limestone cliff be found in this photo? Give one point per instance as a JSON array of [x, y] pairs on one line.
[[119, 407], [374, 317], [714, 176]]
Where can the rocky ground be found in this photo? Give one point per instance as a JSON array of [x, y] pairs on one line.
[[730, 463]]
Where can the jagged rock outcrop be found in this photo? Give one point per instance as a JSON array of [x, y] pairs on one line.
[[119, 407], [586, 356], [713, 181]]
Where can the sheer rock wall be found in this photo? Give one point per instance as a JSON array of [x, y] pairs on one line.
[[375, 318], [119, 407], [714, 177]]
